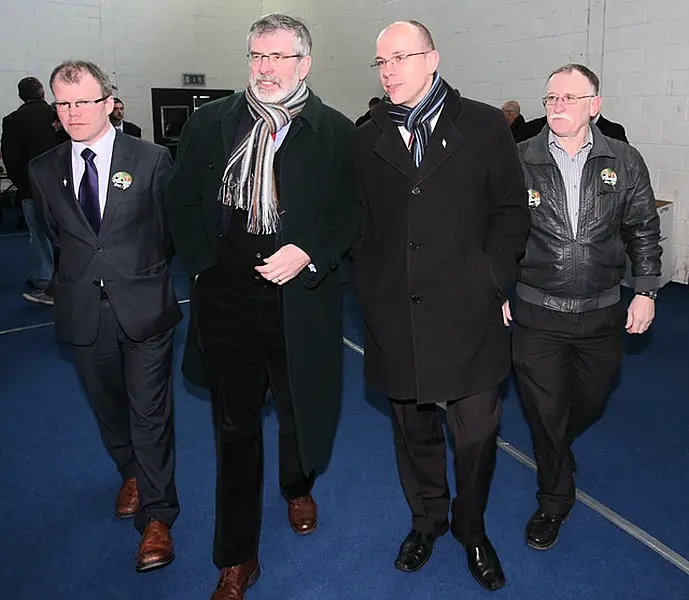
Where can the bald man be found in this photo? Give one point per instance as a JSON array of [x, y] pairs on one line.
[[513, 114], [445, 221]]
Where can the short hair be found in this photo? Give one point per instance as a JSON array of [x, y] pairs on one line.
[[373, 101], [584, 70], [279, 22], [423, 30], [71, 71], [117, 100], [30, 88], [512, 106]]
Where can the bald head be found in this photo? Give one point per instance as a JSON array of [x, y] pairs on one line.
[[415, 29], [511, 110]]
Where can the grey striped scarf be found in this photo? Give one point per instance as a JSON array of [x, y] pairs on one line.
[[248, 181]]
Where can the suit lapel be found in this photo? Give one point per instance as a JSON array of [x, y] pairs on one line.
[[121, 162], [390, 146], [229, 122], [65, 176]]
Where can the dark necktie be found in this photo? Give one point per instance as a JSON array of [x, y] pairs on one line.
[[88, 191]]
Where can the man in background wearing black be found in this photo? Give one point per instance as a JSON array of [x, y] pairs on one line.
[[26, 133], [118, 122]]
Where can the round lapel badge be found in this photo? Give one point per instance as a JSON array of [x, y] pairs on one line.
[[534, 199], [608, 176], [122, 180]]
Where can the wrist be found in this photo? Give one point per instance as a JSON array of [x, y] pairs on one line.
[[652, 294]]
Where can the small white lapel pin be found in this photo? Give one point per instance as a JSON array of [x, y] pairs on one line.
[[444, 143], [64, 182]]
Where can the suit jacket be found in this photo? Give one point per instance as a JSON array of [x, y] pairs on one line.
[[131, 129], [26, 133], [438, 252], [317, 194], [130, 254]]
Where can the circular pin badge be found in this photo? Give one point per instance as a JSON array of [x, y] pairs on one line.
[[122, 180], [534, 199], [608, 176]]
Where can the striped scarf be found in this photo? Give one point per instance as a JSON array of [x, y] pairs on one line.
[[417, 120], [248, 181]]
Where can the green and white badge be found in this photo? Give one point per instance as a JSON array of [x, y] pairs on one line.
[[122, 180], [608, 176], [534, 199]]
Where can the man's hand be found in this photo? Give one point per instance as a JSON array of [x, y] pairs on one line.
[[640, 314], [284, 265], [506, 313]]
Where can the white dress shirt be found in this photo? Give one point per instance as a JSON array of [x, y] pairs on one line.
[[103, 150]]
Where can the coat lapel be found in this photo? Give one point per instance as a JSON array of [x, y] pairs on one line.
[[229, 122], [445, 139]]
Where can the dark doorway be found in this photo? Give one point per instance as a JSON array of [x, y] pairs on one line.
[[171, 109]]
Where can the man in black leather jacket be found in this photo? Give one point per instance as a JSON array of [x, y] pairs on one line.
[[591, 201]]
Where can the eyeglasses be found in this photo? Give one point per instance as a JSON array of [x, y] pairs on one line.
[[274, 58], [551, 99], [87, 104], [396, 60]]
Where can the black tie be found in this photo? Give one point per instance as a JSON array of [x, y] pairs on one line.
[[88, 191]]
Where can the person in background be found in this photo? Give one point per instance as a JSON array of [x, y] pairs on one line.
[[26, 133], [118, 122], [513, 114], [372, 103]]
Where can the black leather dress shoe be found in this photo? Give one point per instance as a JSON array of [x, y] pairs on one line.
[[415, 551], [543, 529], [484, 564]]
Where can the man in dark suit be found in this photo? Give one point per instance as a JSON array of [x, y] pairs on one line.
[[445, 222], [102, 198], [266, 303], [26, 133], [118, 122]]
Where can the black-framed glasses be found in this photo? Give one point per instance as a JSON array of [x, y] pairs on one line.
[[396, 60], [274, 58], [551, 99], [60, 106]]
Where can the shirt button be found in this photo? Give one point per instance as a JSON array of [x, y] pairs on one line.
[[416, 299], [416, 191]]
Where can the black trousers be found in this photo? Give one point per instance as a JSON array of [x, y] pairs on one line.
[[566, 365], [421, 459], [129, 387], [242, 342]]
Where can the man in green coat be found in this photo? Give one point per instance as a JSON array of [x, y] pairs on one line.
[[261, 207]]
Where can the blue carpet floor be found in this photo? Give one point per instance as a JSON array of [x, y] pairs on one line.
[[60, 540]]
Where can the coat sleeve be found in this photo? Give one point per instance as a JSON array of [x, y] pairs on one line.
[[641, 228], [508, 219], [184, 202], [161, 177], [44, 214], [329, 240]]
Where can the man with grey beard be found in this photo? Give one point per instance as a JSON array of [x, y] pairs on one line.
[[262, 206]]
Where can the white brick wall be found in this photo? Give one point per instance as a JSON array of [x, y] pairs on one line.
[[142, 44], [492, 50]]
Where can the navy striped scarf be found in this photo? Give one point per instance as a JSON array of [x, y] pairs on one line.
[[417, 120], [248, 181]]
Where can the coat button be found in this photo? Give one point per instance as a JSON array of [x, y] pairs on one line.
[[416, 299], [258, 255], [414, 245], [416, 191], [211, 166], [98, 249]]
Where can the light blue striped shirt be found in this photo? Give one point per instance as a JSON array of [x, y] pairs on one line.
[[571, 168]]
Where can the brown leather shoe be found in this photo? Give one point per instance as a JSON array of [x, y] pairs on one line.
[[303, 514], [156, 549], [234, 581], [127, 503]]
